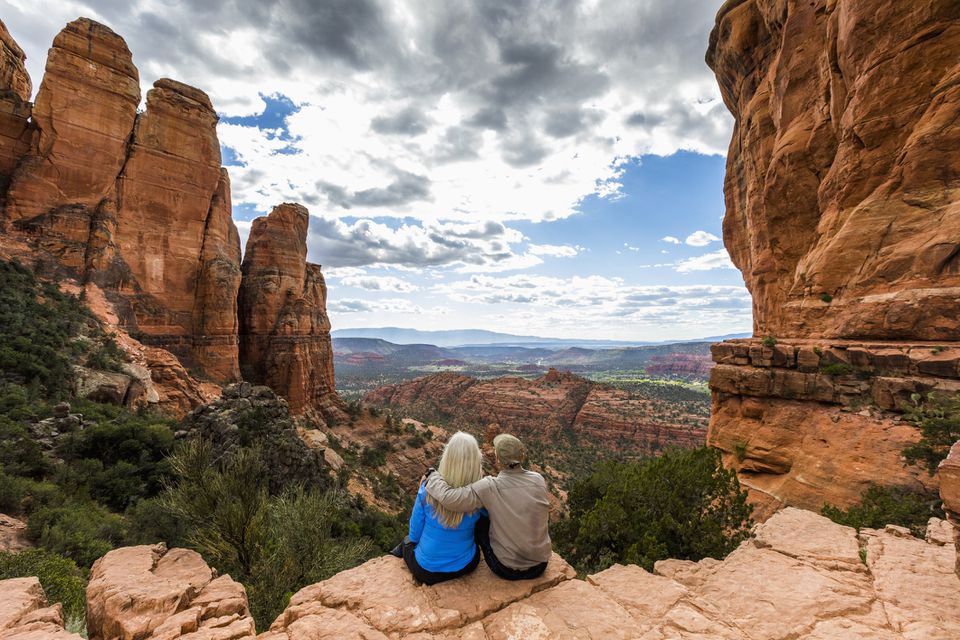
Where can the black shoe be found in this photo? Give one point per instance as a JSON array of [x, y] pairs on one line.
[[397, 551]]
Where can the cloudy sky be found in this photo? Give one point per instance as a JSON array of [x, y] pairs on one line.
[[549, 167]]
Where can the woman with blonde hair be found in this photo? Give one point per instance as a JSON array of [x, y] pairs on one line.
[[441, 545]]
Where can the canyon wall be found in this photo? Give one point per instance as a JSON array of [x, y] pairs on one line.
[[137, 204], [547, 409], [843, 214]]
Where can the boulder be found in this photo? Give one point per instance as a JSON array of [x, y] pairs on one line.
[[150, 593], [25, 614], [101, 386], [382, 596]]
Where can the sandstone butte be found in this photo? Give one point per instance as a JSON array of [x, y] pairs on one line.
[[801, 577], [135, 209], [843, 214]]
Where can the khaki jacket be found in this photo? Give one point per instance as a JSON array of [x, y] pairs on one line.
[[519, 509]]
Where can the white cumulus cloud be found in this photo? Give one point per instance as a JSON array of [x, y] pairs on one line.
[[707, 262], [701, 238]]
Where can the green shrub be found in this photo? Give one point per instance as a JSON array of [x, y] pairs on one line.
[[108, 356], [119, 459], [938, 419], [149, 522], [274, 545], [826, 297], [375, 456], [880, 506], [81, 531], [20, 495], [416, 441], [38, 325], [769, 341], [61, 579], [836, 369], [684, 504]]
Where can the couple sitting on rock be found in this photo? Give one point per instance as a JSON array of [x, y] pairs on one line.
[[459, 514]]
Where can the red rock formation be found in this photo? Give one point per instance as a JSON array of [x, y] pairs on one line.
[[139, 206], [842, 178], [949, 473], [843, 213], [555, 403], [175, 234], [148, 592], [15, 108], [84, 113], [284, 328], [25, 614]]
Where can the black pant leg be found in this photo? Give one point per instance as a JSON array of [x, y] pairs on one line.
[[433, 577], [481, 533]]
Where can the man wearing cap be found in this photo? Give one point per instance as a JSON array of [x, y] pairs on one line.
[[515, 540]]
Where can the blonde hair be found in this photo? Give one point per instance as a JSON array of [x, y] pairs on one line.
[[460, 465]]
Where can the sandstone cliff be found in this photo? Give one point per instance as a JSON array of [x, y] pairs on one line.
[[137, 205], [842, 214], [284, 327]]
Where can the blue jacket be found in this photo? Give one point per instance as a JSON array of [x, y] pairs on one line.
[[439, 548]]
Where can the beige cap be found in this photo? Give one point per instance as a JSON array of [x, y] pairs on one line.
[[509, 449]]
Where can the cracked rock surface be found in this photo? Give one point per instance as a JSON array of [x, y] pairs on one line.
[[801, 577]]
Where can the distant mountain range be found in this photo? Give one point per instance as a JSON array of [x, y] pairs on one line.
[[481, 337], [381, 354]]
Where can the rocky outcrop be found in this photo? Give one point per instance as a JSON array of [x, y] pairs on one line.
[[25, 614], [811, 421], [801, 576], [150, 593], [554, 403], [138, 205], [284, 328], [842, 214], [245, 412]]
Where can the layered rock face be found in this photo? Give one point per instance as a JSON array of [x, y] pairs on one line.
[[135, 203], [841, 176], [138, 205], [175, 231], [843, 214], [284, 327], [545, 407]]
